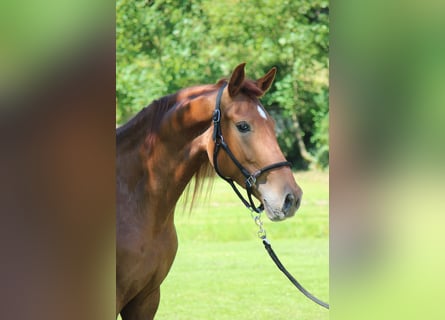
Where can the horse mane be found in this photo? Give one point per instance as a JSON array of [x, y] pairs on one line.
[[147, 122]]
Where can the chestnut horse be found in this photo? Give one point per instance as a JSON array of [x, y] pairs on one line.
[[160, 150]]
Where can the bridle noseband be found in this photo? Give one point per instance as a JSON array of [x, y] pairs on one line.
[[251, 178]]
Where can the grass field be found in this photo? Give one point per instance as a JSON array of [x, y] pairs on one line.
[[223, 272]]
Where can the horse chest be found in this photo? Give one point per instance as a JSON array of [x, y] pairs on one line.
[[145, 261]]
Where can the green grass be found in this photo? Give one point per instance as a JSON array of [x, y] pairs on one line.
[[222, 271]]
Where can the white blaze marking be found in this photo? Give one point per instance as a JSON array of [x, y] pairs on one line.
[[261, 112]]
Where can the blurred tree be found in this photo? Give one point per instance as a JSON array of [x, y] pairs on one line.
[[163, 46]]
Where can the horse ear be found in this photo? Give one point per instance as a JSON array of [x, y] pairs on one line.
[[265, 82], [236, 79]]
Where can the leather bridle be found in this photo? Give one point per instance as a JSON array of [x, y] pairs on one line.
[[251, 178], [250, 183]]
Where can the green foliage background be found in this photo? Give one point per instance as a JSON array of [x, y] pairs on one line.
[[163, 46]]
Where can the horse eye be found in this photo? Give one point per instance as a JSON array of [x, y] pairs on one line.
[[243, 126]]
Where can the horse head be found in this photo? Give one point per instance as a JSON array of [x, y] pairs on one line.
[[244, 148]]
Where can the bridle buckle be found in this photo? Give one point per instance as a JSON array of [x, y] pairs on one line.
[[251, 181]]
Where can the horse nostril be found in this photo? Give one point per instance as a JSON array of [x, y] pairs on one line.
[[288, 202], [297, 205]]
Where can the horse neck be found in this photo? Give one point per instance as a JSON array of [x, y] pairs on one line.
[[161, 163]]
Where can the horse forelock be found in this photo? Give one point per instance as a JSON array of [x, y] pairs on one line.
[[250, 88]]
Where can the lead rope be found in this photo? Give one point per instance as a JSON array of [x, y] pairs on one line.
[[256, 216]]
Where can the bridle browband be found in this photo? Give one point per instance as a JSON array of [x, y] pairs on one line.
[[251, 178]]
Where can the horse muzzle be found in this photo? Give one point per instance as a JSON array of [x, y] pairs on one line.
[[283, 205]]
